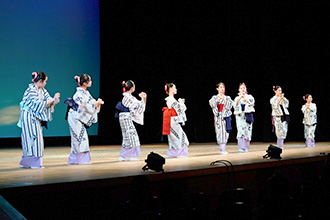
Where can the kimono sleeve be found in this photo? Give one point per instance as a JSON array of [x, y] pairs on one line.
[[86, 105], [251, 101], [180, 109], [31, 99], [50, 109], [89, 105], [213, 104], [286, 104], [313, 108], [137, 111], [227, 107]]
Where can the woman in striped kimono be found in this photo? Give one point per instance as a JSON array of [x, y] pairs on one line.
[[80, 118], [221, 106], [243, 108], [134, 112], [174, 115], [37, 107], [310, 120], [280, 115]]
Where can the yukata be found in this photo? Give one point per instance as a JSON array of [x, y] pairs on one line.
[[174, 115], [79, 119], [222, 119], [243, 112], [131, 143], [280, 119], [34, 114], [310, 122]]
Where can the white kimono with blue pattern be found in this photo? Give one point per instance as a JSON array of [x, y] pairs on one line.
[[34, 109], [136, 113], [281, 127], [244, 129], [177, 139], [310, 120], [85, 115], [220, 117]]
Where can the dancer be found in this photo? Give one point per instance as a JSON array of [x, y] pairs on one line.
[[82, 114], [132, 111], [174, 115], [243, 108], [37, 107], [310, 120], [280, 115], [221, 106]]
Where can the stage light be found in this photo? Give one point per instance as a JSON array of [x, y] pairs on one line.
[[273, 152], [154, 162]]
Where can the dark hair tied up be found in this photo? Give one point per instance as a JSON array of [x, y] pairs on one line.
[[167, 87], [83, 78], [36, 76], [127, 85]]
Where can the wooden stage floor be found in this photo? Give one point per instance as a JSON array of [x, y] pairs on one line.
[[105, 165]]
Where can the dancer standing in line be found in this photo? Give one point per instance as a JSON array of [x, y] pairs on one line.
[[310, 120], [82, 114], [132, 110], [221, 106], [243, 108], [37, 107], [174, 115], [280, 115]]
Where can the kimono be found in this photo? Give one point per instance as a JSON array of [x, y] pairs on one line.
[[244, 120], [80, 118], [280, 115], [131, 143], [222, 119], [174, 115], [310, 122], [34, 114]]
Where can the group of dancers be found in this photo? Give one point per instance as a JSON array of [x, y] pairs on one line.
[[37, 107]]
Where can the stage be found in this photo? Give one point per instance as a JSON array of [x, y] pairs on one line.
[[105, 164], [194, 172]]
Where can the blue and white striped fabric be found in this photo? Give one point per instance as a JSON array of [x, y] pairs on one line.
[[34, 110], [36, 100]]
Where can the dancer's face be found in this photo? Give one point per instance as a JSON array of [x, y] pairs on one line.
[[89, 83], [242, 89], [41, 84], [309, 99], [221, 88], [173, 90], [278, 92]]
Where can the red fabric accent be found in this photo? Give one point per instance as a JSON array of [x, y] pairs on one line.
[[167, 114], [220, 107]]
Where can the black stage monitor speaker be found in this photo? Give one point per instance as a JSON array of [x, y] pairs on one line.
[[154, 162], [273, 152]]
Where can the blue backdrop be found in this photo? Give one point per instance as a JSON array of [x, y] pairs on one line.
[[58, 37]]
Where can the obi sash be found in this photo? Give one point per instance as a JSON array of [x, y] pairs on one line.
[[120, 108], [71, 104], [228, 124], [284, 117], [167, 114], [249, 118], [220, 107], [243, 107]]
